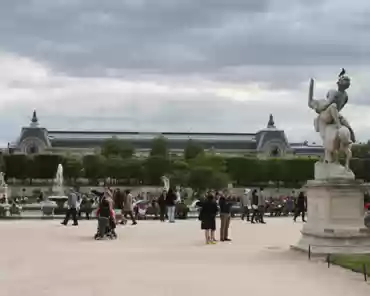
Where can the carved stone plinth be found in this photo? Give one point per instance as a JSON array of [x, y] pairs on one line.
[[335, 218], [329, 171]]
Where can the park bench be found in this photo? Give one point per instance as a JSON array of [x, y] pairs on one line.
[[15, 210], [47, 208], [86, 207], [3, 211]]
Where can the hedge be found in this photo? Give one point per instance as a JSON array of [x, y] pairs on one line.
[[220, 170]]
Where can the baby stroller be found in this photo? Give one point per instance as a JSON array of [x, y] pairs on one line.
[[106, 229]]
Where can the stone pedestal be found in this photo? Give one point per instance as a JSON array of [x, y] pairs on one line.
[[335, 210]]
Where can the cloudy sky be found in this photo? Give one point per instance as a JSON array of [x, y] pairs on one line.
[[180, 65]]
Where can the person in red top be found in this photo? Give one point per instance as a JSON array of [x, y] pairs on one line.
[[105, 210], [106, 219]]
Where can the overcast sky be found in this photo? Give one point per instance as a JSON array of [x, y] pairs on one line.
[[180, 65]]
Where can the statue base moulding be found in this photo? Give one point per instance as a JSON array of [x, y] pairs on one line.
[[335, 209]]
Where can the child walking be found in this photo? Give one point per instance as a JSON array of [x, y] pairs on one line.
[[207, 216]]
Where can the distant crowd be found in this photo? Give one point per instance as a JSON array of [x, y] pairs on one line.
[[116, 207]]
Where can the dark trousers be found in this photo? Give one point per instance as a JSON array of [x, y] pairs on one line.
[[299, 211], [162, 213], [131, 214], [258, 214], [255, 215], [87, 215], [103, 223], [245, 213], [71, 212], [261, 213]]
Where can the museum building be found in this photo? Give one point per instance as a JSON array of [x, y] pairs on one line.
[[267, 142]]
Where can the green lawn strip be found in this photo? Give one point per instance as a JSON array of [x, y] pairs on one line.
[[352, 262]]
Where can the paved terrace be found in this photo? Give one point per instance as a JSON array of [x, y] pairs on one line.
[[43, 258]]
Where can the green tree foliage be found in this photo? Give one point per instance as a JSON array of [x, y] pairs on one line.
[[132, 170], [298, 170], [154, 168], [179, 172], [94, 167], [215, 162], [117, 147], [44, 166], [246, 171], [17, 166], [202, 178], [72, 168], [192, 150], [113, 167], [159, 147], [361, 150], [203, 171], [361, 168]]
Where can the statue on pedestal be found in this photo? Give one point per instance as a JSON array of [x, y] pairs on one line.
[[335, 199], [271, 122], [334, 129]]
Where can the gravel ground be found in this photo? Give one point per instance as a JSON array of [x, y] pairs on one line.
[[152, 258]]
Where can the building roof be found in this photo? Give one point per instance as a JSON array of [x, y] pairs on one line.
[[144, 144], [104, 135]]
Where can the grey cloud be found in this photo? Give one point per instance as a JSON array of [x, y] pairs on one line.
[[206, 113], [277, 44], [170, 37]]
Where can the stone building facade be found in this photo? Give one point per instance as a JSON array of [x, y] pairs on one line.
[[267, 142]]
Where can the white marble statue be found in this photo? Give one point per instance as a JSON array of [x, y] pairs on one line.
[[166, 183], [334, 129], [2, 179]]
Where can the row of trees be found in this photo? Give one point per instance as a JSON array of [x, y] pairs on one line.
[[195, 168], [203, 171]]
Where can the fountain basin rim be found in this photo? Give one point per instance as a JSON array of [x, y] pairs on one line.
[[58, 197]]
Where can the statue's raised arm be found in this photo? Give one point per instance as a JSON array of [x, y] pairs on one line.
[[320, 105], [311, 101]]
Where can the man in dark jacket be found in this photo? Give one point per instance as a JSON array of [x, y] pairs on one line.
[[225, 216], [300, 207], [162, 206], [171, 205], [254, 203]]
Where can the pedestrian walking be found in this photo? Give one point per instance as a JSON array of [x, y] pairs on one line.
[[300, 207], [72, 208], [128, 207]]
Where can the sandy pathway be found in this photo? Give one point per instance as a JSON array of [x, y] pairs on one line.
[[43, 258]]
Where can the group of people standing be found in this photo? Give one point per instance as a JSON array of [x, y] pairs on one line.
[[254, 203], [167, 205], [213, 204], [208, 212]]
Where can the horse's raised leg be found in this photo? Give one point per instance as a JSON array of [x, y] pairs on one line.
[[348, 153], [336, 156], [328, 156]]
